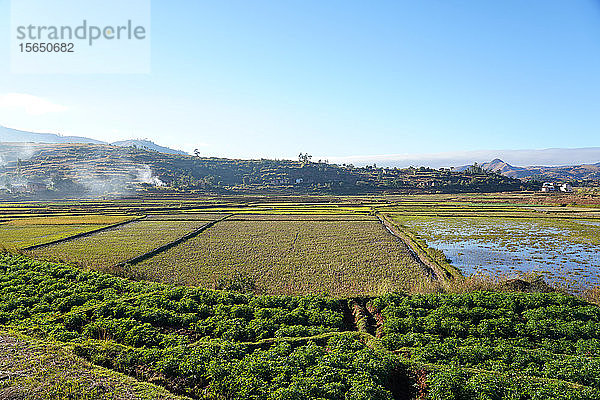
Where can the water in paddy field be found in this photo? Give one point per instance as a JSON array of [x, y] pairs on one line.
[[563, 251], [591, 223]]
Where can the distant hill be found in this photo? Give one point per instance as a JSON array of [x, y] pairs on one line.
[[549, 157], [560, 173], [97, 169], [14, 135], [504, 168], [147, 145]]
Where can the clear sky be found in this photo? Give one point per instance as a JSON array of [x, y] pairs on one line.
[[270, 79]]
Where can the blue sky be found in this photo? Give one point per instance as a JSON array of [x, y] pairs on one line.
[[336, 78]]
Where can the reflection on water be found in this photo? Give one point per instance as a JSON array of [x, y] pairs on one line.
[[586, 222], [563, 254]]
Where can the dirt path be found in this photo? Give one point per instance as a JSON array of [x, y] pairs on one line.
[[428, 267], [363, 319]]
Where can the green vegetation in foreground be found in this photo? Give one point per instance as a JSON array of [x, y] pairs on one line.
[[217, 344], [39, 369]]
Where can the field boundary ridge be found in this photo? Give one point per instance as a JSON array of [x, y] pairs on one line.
[[82, 234], [444, 272], [167, 246]]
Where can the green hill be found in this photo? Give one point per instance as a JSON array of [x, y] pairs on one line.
[[97, 169]]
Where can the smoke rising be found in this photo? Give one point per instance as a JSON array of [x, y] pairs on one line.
[[144, 175], [71, 171]]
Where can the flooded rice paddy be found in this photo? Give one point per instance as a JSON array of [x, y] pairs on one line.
[[564, 251]]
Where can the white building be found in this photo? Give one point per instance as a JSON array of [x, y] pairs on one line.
[[565, 187], [548, 187]]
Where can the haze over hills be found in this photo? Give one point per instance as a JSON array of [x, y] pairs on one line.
[[76, 170], [546, 164], [17, 136], [546, 157], [504, 168], [147, 145], [570, 173]]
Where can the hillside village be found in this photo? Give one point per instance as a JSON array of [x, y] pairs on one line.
[[52, 170]]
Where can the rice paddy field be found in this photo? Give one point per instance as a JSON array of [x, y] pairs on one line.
[[561, 244], [110, 247], [316, 298], [25, 232], [184, 217], [285, 255], [334, 245]]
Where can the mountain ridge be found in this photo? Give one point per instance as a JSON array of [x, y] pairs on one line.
[[10, 135], [147, 145], [16, 135], [572, 171], [88, 170], [553, 173]]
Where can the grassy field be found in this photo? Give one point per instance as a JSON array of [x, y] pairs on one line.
[[69, 220], [302, 217], [292, 255], [107, 248], [24, 232], [18, 237], [184, 217], [331, 244]]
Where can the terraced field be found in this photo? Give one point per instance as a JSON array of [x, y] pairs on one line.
[[295, 208], [302, 217], [364, 343], [25, 232], [113, 246], [294, 255], [334, 245], [185, 217]]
